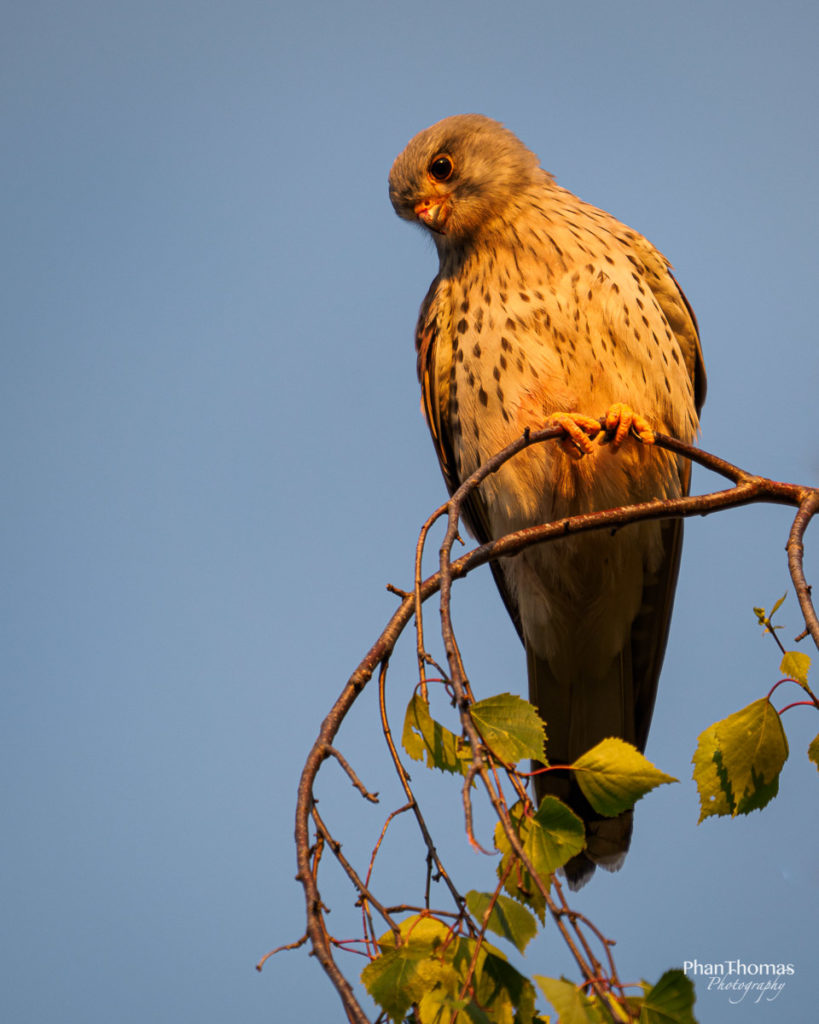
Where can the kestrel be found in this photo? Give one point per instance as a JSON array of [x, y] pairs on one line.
[[546, 309]]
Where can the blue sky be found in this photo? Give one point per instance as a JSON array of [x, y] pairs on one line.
[[214, 461]]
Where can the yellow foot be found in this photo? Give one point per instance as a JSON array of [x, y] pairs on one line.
[[621, 420], [579, 430]]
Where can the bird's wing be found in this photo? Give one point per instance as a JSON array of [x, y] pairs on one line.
[[649, 632], [676, 309], [631, 687], [434, 365], [650, 628]]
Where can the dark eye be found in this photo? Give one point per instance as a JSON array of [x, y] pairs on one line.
[[441, 168]]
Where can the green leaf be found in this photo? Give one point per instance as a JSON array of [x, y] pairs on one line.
[[765, 620], [422, 931], [795, 664], [430, 970], [813, 751], [670, 1001], [571, 1005], [438, 1006], [407, 973], [556, 834], [400, 977], [510, 727], [423, 735], [714, 791], [507, 919], [614, 775], [753, 749], [550, 839], [738, 761], [519, 883], [501, 990]]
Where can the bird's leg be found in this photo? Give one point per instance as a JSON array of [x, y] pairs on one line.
[[579, 430], [621, 420]]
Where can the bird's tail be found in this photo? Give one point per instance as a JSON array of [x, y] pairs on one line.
[[578, 715]]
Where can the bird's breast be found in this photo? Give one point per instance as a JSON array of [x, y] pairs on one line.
[[521, 336]]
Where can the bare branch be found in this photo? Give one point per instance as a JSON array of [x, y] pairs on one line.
[[807, 510], [745, 489], [467, 800], [363, 891], [280, 949], [359, 785], [432, 853]]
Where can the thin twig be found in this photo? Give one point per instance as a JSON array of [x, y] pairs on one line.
[[420, 647], [590, 969], [746, 489], [432, 853], [807, 509], [359, 785], [410, 908], [363, 891], [474, 769], [798, 704], [279, 949], [576, 918], [482, 933], [394, 814]]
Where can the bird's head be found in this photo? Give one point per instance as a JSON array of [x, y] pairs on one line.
[[459, 177]]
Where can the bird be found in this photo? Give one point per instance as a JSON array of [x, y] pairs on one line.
[[546, 310]]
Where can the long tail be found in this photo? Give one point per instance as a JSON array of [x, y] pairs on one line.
[[579, 715]]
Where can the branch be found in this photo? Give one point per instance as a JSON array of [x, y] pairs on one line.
[[807, 510], [432, 853], [746, 489], [359, 785]]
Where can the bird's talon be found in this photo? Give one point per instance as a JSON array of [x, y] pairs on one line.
[[579, 431], [622, 420]]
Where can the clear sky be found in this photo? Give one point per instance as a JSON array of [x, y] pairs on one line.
[[214, 460]]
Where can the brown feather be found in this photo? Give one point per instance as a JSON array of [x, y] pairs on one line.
[[544, 304]]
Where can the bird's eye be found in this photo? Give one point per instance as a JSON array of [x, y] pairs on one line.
[[441, 168]]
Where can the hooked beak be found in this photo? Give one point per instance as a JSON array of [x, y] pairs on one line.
[[433, 212]]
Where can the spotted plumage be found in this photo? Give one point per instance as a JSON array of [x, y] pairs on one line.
[[543, 306]]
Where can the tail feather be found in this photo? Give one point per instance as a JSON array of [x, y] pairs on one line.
[[578, 715], [584, 699]]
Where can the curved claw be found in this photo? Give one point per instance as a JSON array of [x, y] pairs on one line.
[[621, 420], [579, 430]]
